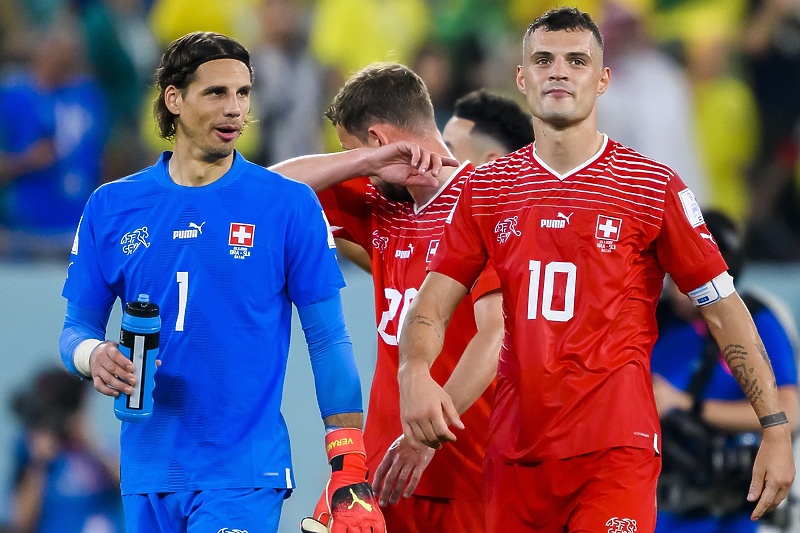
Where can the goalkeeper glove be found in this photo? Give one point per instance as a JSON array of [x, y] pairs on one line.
[[348, 503]]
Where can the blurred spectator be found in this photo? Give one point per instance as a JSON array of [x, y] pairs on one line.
[[288, 95], [52, 135], [700, 489], [648, 105], [726, 122], [434, 64], [771, 42], [62, 483]]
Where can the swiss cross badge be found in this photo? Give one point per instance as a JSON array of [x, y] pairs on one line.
[[241, 239]]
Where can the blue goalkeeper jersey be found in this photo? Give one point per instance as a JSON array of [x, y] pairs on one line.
[[224, 262]]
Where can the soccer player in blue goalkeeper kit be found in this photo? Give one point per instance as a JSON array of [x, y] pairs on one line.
[[214, 455]]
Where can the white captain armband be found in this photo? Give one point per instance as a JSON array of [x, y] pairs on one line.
[[81, 356], [713, 291]]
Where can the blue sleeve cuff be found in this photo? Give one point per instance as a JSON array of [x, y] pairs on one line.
[[336, 379]]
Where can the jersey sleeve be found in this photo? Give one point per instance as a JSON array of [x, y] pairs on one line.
[[86, 285], [487, 282], [312, 271], [684, 247], [347, 207], [463, 255]]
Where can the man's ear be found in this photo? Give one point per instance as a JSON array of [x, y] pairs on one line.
[[173, 99], [379, 135]]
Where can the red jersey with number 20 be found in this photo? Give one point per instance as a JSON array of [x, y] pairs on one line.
[[402, 240], [581, 259]]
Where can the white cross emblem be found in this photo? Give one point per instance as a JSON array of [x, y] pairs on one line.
[[608, 228]]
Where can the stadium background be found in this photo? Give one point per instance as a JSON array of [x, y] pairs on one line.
[[688, 87]]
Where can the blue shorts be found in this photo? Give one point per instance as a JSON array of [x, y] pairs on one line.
[[218, 510]]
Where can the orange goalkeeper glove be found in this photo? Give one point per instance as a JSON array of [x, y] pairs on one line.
[[348, 503]]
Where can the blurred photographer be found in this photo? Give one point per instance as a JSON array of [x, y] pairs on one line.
[[63, 482], [710, 435]]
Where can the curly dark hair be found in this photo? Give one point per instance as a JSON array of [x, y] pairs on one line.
[[496, 116], [178, 66]]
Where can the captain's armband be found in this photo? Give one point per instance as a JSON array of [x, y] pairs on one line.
[[713, 291]]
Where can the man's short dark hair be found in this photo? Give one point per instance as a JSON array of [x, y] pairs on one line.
[[387, 93], [564, 19], [179, 64], [496, 116]]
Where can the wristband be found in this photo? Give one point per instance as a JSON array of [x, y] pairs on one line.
[[775, 419], [344, 440]]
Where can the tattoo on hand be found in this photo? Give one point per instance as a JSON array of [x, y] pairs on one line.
[[736, 355]]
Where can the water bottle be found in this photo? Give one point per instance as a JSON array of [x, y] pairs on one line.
[[138, 341]]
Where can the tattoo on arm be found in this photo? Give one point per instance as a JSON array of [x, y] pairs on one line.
[[736, 357], [764, 355], [425, 321]]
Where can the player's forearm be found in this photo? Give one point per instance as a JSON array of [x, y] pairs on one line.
[[345, 420], [478, 364], [321, 171], [732, 327]]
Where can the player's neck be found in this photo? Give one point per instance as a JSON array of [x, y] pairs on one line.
[[189, 167], [423, 195], [566, 149]]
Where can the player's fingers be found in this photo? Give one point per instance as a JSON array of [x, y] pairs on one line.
[[451, 414], [765, 502], [415, 155], [402, 477], [424, 162], [101, 387], [440, 429], [411, 438], [413, 481]]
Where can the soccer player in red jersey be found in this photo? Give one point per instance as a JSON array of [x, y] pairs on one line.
[[401, 228], [580, 231]]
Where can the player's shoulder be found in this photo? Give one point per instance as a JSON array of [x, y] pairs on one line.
[[508, 165], [259, 176], [627, 161]]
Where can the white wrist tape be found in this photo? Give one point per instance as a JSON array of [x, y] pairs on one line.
[[715, 290], [81, 356]]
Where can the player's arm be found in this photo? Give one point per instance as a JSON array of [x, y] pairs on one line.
[[354, 253], [730, 323], [84, 352], [401, 467], [478, 365], [402, 163], [426, 410], [347, 502]]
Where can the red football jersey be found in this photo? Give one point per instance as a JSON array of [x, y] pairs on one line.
[[581, 260], [402, 240]]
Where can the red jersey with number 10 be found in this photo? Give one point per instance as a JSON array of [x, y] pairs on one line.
[[581, 260], [402, 240]]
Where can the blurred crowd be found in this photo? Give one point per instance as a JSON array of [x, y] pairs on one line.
[[708, 86]]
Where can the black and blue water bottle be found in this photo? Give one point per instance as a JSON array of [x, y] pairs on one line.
[[138, 341]]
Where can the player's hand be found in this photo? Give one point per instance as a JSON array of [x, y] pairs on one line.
[[426, 410], [400, 471], [348, 504], [405, 163], [773, 470], [112, 372]]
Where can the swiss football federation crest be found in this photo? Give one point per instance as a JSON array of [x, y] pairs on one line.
[[379, 242], [607, 232], [241, 239], [621, 525], [506, 228], [131, 241]]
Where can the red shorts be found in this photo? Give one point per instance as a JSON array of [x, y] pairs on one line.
[[610, 491], [419, 514]]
